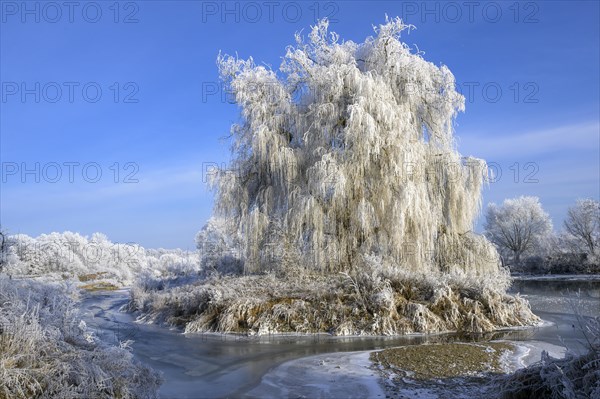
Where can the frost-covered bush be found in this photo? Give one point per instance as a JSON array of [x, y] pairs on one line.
[[46, 351], [171, 262], [216, 250], [71, 255], [8, 256], [74, 255], [533, 265], [381, 299], [565, 256], [574, 377]]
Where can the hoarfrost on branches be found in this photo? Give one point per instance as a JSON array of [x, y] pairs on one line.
[[217, 253], [583, 225], [518, 226], [348, 151], [69, 254]]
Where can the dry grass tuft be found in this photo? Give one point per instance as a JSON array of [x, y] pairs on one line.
[[99, 286], [380, 302], [91, 277], [423, 362]]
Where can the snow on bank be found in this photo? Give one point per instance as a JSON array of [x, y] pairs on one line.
[[527, 353]]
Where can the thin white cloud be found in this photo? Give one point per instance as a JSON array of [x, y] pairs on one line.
[[168, 184], [568, 138]]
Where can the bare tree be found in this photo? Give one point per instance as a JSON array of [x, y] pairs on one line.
[[583, 224], [518, 226]]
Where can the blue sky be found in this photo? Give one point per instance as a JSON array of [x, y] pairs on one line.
[[127, 91]]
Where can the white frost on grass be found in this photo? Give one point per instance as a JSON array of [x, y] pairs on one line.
[[47, 352], [382, 301], [68, 255]]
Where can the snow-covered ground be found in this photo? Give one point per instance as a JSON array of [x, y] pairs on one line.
[[531, 352]]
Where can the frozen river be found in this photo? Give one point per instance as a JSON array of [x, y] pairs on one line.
[[213, 365]]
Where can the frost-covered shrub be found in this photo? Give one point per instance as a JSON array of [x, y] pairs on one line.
[[571, 263], [383, 300], [559, 262], [46, 351], [216, 251], [576, 376], [71, 255], [8, 254], [535, 265]]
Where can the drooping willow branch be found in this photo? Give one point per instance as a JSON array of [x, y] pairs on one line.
[[351, 151]]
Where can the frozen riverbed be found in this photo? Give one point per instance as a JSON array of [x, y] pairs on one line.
[[335, 375], [213, 365]]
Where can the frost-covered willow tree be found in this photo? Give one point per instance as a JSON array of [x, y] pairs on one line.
[[348, 151], [519, 226]]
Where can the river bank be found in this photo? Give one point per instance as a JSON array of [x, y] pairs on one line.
[[198, 365], [451, 370]]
